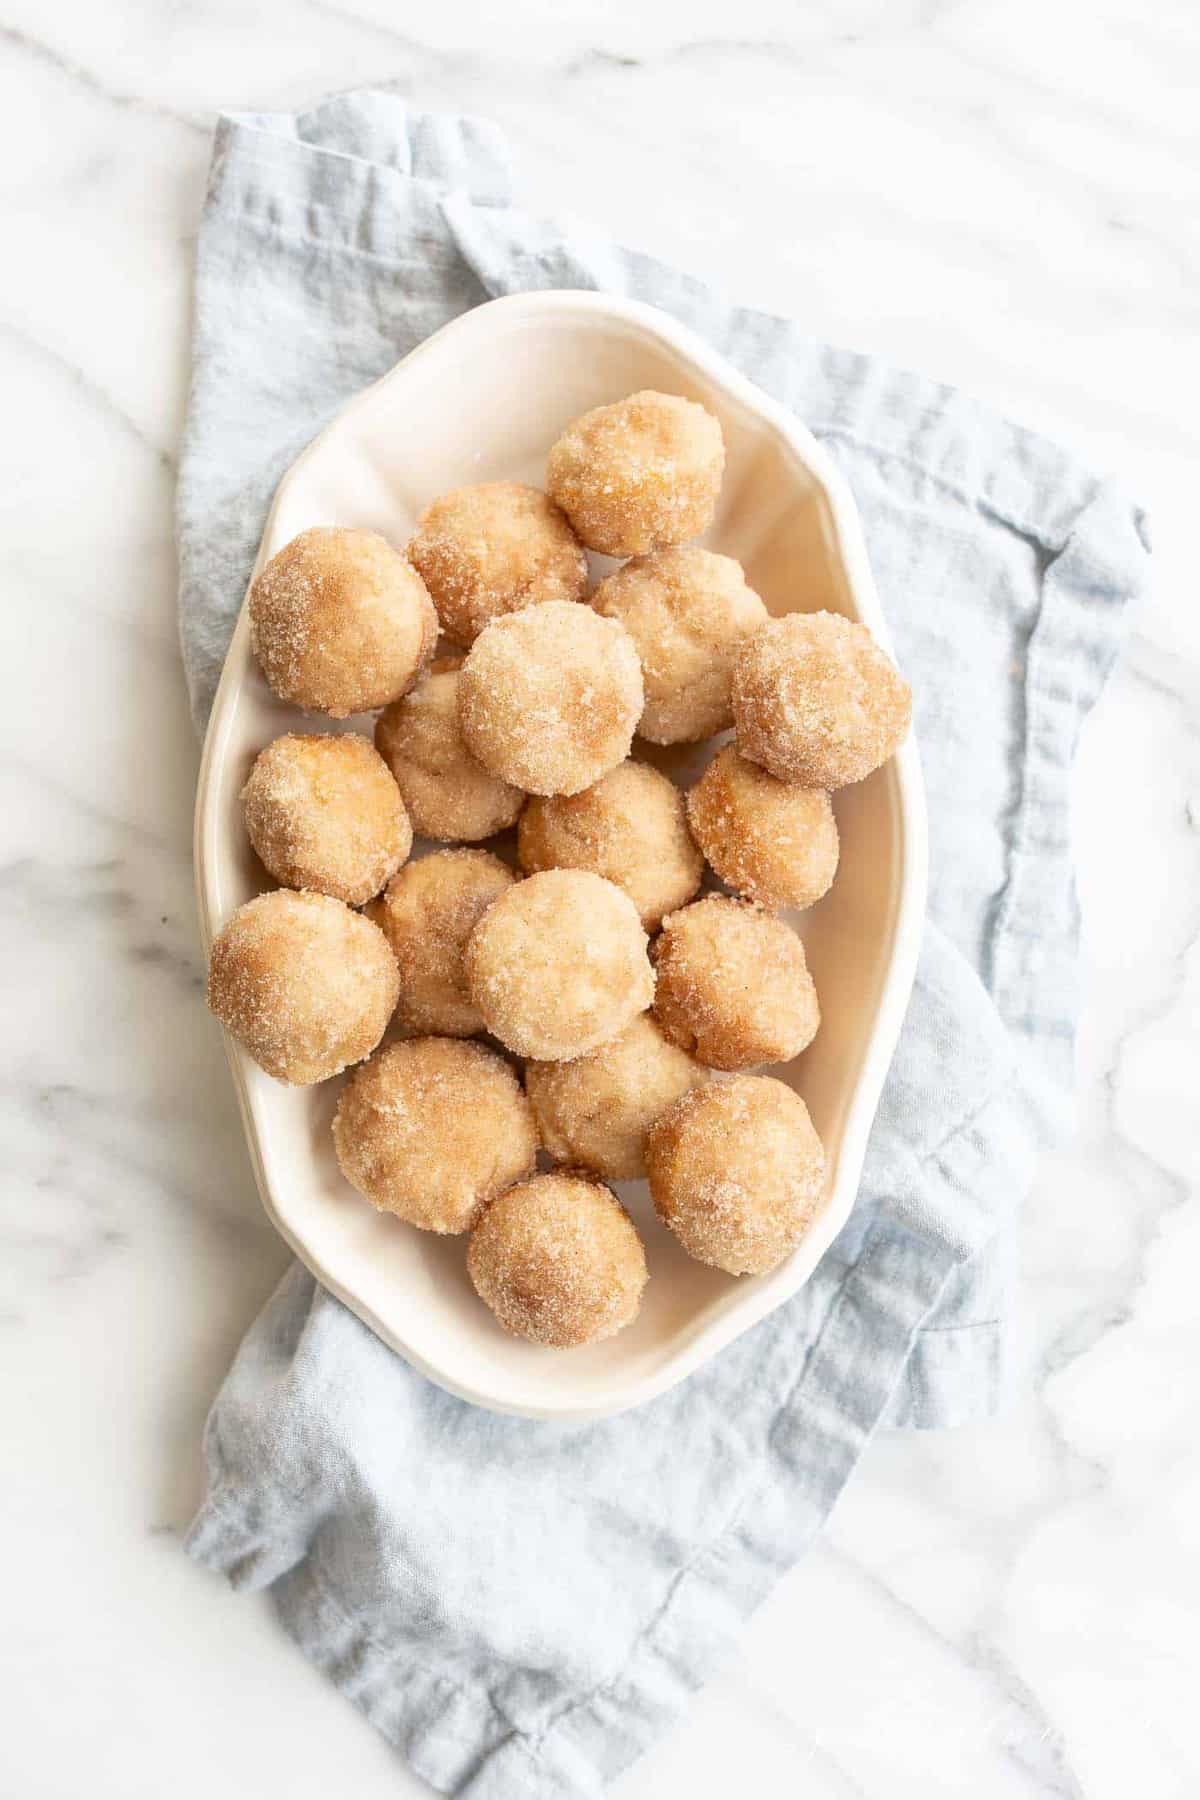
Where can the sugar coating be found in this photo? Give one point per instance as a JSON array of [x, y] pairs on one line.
[[559, 1261], [732, 985], [493, 549], [688, 611], [427, 914], [736, 1170], [640, 474], [817, 702], [304, 984], [595, 1112], [339, 622], [450, 796], [549, 698], [773, 842], [432, 1129], [324, 813], [558, 965], [631, 827]]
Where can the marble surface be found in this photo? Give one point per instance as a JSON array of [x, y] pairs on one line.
[[1006, 196]]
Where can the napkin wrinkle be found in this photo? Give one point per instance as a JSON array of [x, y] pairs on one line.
[[251, 1554], [521, 1606], [650, 1675]]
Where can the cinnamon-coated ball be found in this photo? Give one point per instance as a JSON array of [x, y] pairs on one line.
[[773, 842], [688, 611], [631, 827], [549, 698], [558, 965], [427, 914], [305, 985], [324, 813], [595, 1112], [450, 796], [732, 985], [558, 1261], [736, 1172], [639, 474], [492, 549], [340, 622], [817, 702], [432, 1129]]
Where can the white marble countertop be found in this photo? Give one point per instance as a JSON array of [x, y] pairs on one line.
[[1004, 196]]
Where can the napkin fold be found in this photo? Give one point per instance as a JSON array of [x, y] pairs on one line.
[[520, 1606]]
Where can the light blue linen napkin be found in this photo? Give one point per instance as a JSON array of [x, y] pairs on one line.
[[521, 1607]]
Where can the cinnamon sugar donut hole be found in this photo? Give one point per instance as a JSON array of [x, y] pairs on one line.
[[773, 842], [340, 622], [305, 985], [817, 702], [558, 1261], [427, 914], [549, 698], [492, 549], [558, 965], [450, 796], [432, 1129], [631, 827], [640, 474], [595, 1112], [732, 985], [688, 611], [324, 813], [736, 1172]]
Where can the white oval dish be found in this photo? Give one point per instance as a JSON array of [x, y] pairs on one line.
[[482, 400]]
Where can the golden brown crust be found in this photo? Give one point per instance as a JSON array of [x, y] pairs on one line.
[[549, 698], [773, 842], [732, 986], [817, 702], [688, 611], [450, 796], [631, 827], [340, 622], [595, 1112], [304, 984], [736, 1172], [492, 549], [558, 1261], [640, 474], [324, 813], [427, 915], [432, 1129], [557, 965]]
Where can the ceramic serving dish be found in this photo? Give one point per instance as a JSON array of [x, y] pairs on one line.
[[483, 400]]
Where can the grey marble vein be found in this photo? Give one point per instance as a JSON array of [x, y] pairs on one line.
[[1005, 197], [37, 49], [88, 389]]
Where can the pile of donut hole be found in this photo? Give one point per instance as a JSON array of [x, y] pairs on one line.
[[364, 957]]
